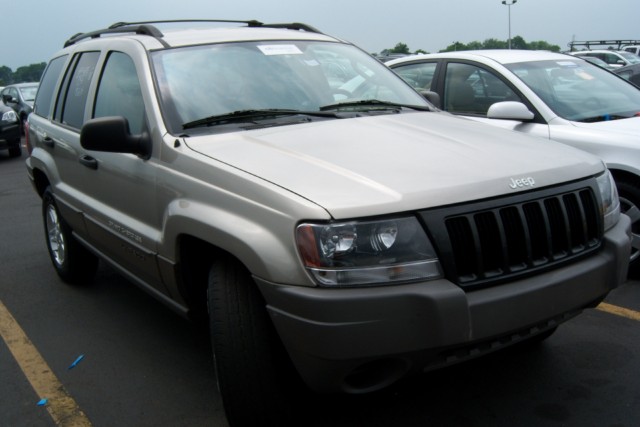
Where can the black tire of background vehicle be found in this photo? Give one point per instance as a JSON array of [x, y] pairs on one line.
[[73, 262], [256, 378], [630, 205], [15, 150], [23, 124]]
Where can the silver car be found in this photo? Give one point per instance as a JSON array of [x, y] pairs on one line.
[[551, 95], [333, 227], [614, 58]]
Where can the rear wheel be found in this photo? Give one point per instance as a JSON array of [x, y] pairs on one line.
[[72, 261], [255, 376], [630, 206], [15, 150]]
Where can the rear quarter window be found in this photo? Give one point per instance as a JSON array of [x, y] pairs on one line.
[[42, 105], [72, 98]]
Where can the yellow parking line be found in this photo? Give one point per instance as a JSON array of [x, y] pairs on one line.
[[61, 406], [619, 311]]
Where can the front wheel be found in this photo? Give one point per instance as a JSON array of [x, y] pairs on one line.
[[72, 261], [15, 150], [630, 206], [255, 376]]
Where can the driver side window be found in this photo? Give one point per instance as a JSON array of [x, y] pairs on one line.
[[470, 89], [119, 92]]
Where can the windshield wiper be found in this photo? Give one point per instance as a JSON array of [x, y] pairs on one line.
[[249, 115], [603, 118], [372, 104]]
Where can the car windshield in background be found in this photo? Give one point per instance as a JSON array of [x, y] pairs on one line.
[[217, 80], [579, 91], [29, 92], [630, 57]]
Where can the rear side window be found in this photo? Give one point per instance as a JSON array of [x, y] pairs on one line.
[[419, 75], [43, 103], [73, 96], [119, 92]]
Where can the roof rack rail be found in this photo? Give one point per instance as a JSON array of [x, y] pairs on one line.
[[589, 43], [251, 22], [144, 29], [148, 28], [292, 26]]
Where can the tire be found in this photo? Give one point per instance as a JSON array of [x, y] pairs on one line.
[[73, 262], [255, 376], [630, 205], [23, 121], [15, 150]]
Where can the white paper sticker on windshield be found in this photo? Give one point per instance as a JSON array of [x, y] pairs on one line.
[[566, 64], [280, 49]]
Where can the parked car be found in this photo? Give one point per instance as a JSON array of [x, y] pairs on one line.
[[614, 58], [633, 49], [9, 131], [599, 62], [630, 72], [20, 97], [335, 229], [547, 94]]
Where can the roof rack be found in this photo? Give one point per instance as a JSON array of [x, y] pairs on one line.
[[148, 28], [298, 26], [589, 43]]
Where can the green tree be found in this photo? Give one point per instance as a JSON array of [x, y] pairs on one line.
[[542, 45], [400, 48], [6, 75], [494, 44], [518, 43], [29, 73]]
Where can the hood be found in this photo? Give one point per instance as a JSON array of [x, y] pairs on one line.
[[616, 141], [625, 127], [393, 163]]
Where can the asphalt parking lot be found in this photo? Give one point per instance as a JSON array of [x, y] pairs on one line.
[[122, 359]]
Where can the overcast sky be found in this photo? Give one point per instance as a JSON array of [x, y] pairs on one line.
[[34, 30]]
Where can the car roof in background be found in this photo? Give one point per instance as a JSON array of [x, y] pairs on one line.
[[502, 56]]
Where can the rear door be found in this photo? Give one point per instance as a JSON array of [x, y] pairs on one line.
[[108, 198]]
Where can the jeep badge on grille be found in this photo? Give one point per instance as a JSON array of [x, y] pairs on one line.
[[522, 182]]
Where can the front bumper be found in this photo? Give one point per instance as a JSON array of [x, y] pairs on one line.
[[360, 340]]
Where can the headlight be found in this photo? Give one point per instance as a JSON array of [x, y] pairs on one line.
[[10, 116], [367, 252], [610, 207]]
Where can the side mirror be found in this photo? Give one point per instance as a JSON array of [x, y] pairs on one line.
[[112, 135], [7, 98], [510, 110], [432, 97]]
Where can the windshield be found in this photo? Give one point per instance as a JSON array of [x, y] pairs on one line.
[[29, 92], [579, 91], [630, 57], [215, 80]]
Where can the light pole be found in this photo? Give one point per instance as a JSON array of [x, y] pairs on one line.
[[509, 3]]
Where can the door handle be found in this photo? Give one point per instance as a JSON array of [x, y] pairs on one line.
[[48, 141], [88, 161]]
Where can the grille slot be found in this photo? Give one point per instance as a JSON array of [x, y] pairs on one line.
[[493, 241]]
